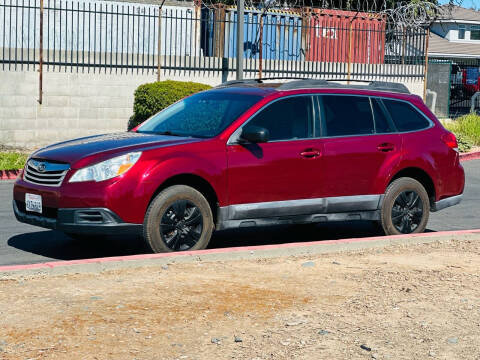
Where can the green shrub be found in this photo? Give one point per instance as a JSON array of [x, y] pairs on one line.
[[467, 126], [464, 143], [153, 97], [12, 160]]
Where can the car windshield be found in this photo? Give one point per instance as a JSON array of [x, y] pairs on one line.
[[204, 114]]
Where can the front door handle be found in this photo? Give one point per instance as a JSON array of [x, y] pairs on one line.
[[310, 153], [386, 147]]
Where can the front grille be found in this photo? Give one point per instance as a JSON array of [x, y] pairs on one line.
[[45, 172]]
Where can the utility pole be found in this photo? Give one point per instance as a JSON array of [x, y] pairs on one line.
[[240, 22]]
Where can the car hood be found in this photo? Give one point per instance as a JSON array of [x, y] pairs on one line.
[[107, 145]]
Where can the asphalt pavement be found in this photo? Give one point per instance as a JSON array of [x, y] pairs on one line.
[[25, 244]]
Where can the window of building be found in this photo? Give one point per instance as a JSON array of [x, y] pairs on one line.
[[461, 32], [475, 32]]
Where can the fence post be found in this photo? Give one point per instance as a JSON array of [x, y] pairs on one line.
[[40, 60], [350, 41], [224, 69], [240, 22], [159, 45], [260, 53], [425, 75]]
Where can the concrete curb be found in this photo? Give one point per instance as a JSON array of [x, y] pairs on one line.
[[238, 253], [474, 155]]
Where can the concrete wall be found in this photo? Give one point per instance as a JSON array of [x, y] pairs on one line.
[[74, 105], [80, 104]]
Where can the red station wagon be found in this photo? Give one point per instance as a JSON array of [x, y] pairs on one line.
[[250, 153]]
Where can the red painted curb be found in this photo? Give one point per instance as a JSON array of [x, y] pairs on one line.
[[55, 264], [9, 174], [474, 155]]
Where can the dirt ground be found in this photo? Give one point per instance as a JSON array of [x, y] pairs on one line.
[[415, 302]]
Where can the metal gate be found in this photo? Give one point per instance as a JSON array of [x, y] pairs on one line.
[[464, 83]]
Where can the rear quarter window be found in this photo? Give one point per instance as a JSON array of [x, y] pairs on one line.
[[405, 116]]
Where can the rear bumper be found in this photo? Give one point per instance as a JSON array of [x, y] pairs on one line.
[[447, 202], [76, 221]]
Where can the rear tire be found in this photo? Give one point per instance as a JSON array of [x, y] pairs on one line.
[[178, 219], [405, 208]]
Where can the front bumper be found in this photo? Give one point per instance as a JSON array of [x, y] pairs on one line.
[[99, 221]]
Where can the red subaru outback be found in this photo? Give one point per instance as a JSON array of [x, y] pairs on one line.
[[248, 154]]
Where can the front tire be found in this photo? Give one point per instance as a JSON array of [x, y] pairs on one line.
[[178, 219], [405, 208]]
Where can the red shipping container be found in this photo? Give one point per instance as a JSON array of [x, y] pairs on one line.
[[334, 32]]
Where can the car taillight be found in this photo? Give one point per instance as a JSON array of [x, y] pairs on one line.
[[450, 140]]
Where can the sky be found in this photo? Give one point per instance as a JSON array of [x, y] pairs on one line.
[[465, 3]]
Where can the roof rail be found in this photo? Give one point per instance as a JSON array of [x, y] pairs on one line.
[[255, 81], [238, 82], [324, 83], [301, 83], [389, 86]]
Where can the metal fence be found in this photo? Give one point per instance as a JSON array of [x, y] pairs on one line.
[[92, 36]]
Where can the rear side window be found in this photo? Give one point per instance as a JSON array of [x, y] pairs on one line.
[[405, 116], [287, 119], [346, 115], [382, 123]]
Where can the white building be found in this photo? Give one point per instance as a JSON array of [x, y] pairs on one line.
[[456, 37]]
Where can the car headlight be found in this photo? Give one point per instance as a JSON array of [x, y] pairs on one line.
[[107, 169]]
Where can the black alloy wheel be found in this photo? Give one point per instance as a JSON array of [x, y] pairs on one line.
[[405, 207], [407, 212], [179, 218], [181, 225]]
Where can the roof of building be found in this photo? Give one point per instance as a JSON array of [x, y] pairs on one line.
[[441, 46], [455, 13]]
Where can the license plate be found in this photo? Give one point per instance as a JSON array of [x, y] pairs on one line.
[[33, 203]]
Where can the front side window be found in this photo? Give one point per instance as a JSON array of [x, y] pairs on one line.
[[346, 115], [475, 32], [205, 114], [461, 32], [405, 116], [286, 119]]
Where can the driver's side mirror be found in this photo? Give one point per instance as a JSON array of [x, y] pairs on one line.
[[254, 134]]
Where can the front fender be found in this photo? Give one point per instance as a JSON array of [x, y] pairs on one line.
[[181, 164]]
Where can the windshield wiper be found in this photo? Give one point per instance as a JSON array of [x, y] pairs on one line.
[[171, 133], [167, 132]]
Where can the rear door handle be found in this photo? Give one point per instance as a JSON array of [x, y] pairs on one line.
[[386, 147], [310, 153]]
